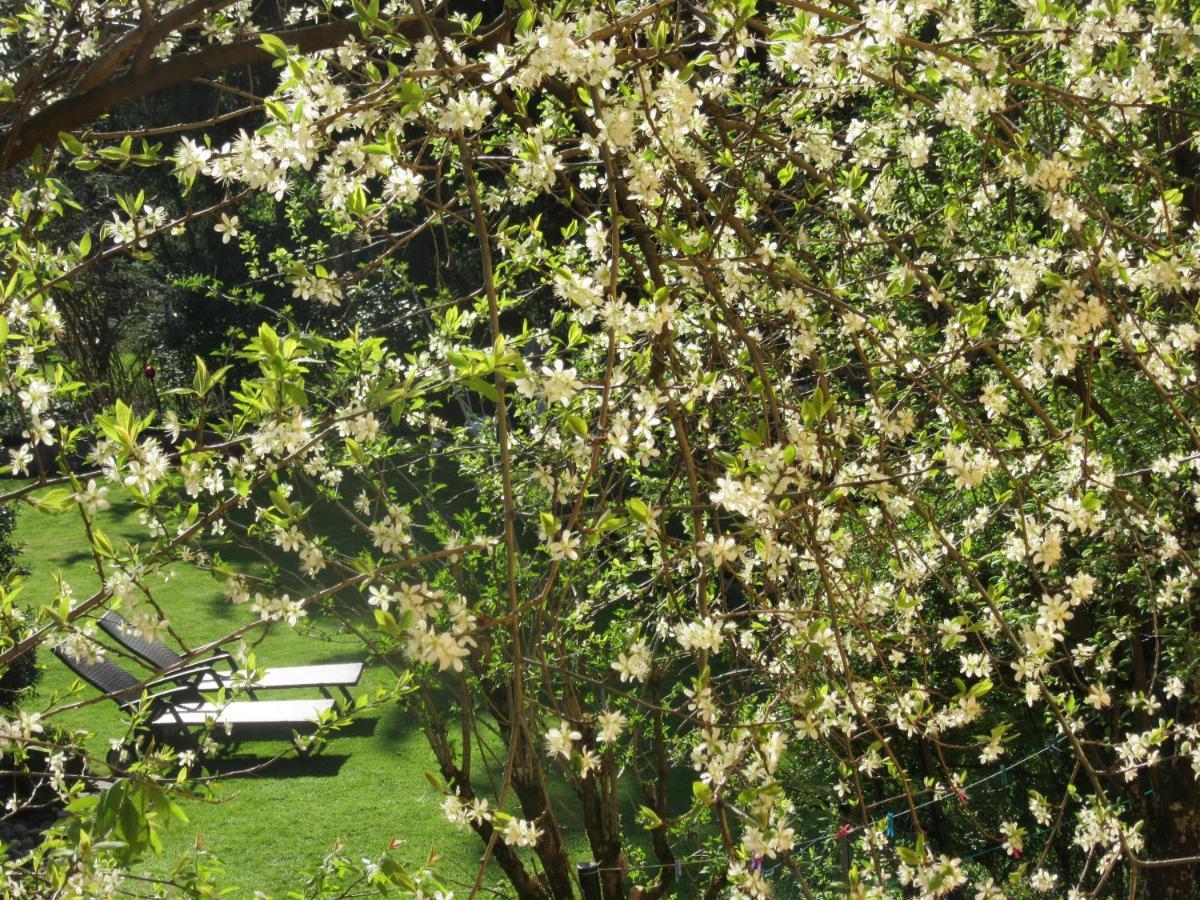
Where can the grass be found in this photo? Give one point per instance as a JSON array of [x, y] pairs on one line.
[[366, 788], [365, 791]]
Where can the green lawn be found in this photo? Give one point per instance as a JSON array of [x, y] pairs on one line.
[[366, 788]]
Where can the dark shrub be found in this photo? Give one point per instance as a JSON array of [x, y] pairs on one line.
[[23, 672]]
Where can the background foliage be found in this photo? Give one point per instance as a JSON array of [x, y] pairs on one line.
[[782, 414]]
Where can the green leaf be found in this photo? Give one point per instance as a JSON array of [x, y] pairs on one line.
[[268, 339], [638, 509], [73, 144], [281, 502], [387, 624], [55, 500], [649, 818], [484, 388], [577, 424], [609, 522], [102, 544], [273, 45], [982, 688], [909, 856]]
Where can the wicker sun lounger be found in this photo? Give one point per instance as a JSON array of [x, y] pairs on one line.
[[323, 677], [178, 712]]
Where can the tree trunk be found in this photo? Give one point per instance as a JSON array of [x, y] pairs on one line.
[[1173, 826], [601, 820], [536, 806]]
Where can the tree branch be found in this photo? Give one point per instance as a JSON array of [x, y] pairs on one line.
[[18, 142]]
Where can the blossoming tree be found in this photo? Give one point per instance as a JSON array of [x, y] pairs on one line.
[[831, 377]]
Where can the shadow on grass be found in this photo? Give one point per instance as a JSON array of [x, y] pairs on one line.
[[324, 765], [219, 608], [74, 558], [364, 727], [397, 725]]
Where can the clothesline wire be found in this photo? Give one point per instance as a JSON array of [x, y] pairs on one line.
[[1001, 773]]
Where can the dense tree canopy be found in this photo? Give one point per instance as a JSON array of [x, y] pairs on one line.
[[792, 421]]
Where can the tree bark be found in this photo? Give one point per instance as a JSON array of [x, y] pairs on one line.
[[19, 140], [528, 887], [1173, 829]]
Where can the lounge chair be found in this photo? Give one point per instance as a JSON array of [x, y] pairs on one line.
[[165, 660], [177, 710]]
